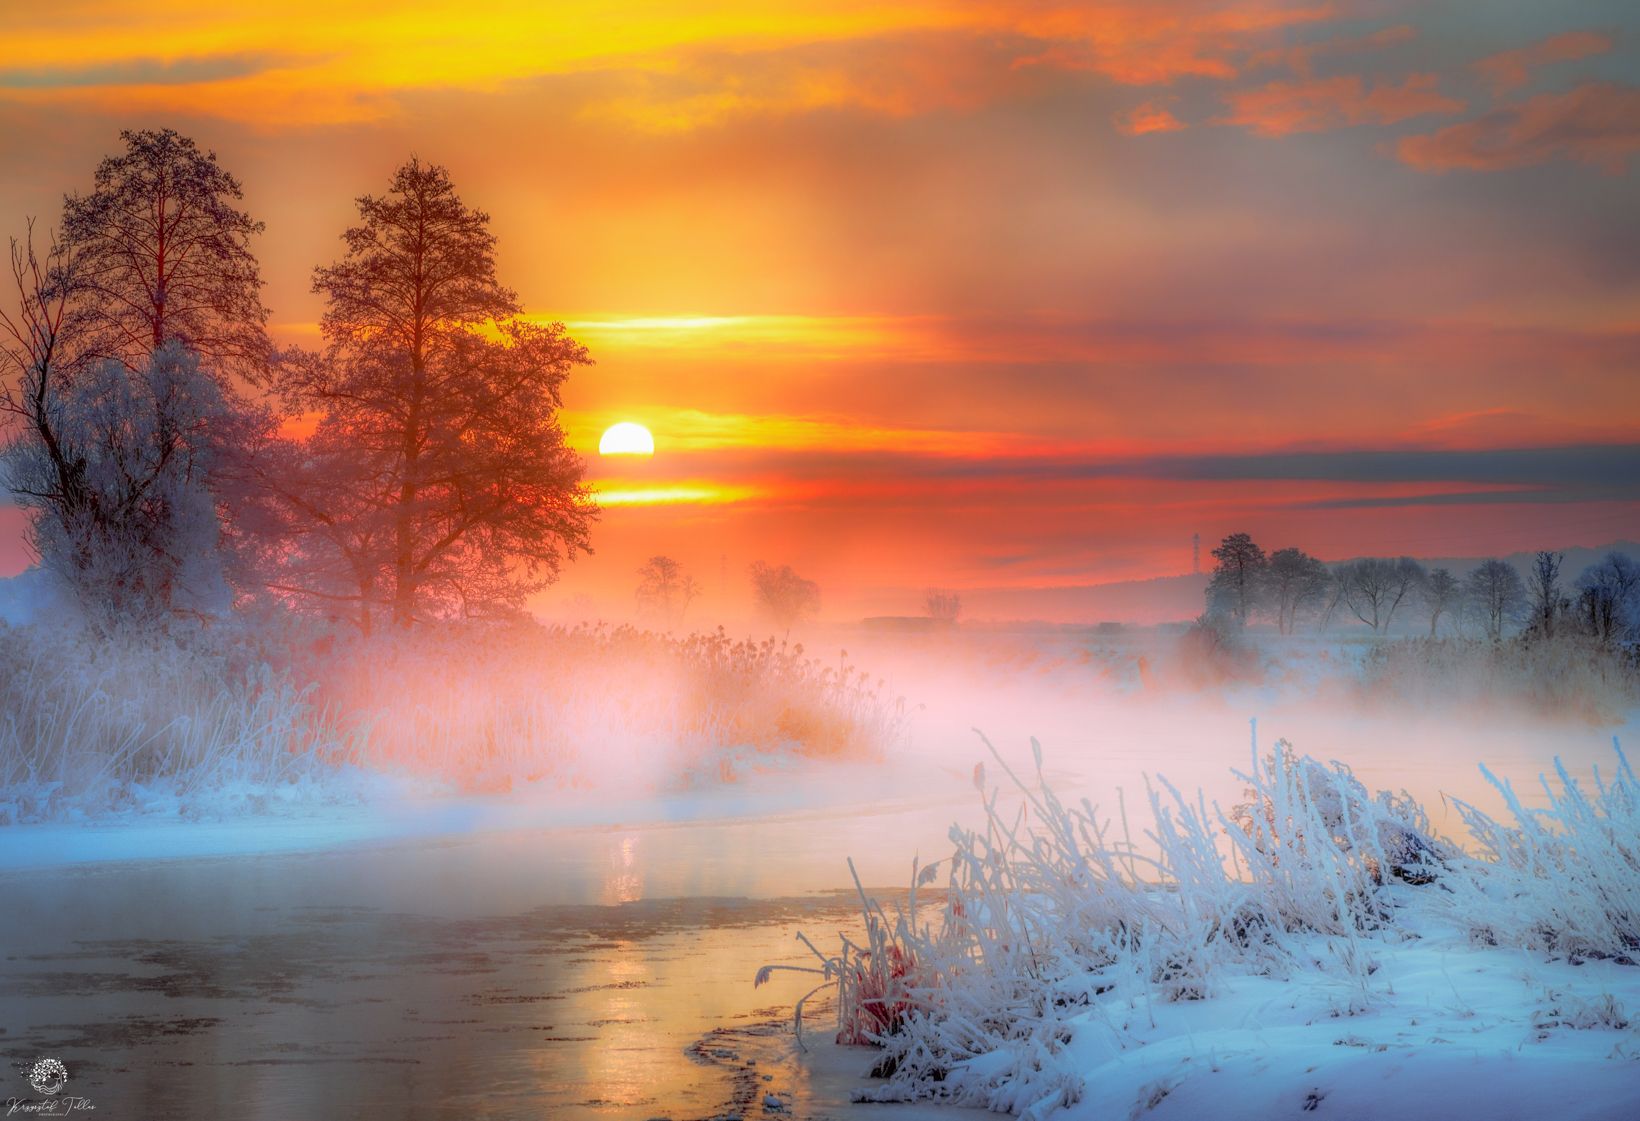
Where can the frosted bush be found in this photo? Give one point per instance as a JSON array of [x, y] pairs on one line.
[[486, 707], [1563, 880], [1054, 924], [1567, 675]]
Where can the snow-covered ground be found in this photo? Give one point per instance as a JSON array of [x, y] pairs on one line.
[[1441, 1030]]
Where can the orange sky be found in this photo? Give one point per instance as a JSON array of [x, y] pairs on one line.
[[988, 295]]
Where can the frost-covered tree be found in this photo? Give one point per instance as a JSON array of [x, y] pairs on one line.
[[665, 590], [442, 480], [1493, 595], [1608, 597], [1237, 584], [1374, 587], [1439, 594], [1295, 582], [122, 494], [783, 595], [162, 253]]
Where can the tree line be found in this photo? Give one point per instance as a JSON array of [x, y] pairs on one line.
[[1289, 587], [175, 462]]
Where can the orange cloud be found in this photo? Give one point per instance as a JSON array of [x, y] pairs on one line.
[[1509, 70], [1158, 43], [1597, 123], [1152, 116], [1282, 108], [891, 75], [661, 68]]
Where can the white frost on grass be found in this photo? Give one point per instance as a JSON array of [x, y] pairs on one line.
[[1314, 948]]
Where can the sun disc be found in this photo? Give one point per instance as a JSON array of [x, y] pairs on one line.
[[626, 438]]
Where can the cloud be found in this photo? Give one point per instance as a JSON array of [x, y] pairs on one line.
[[1152, 116], [1510, 70], [1597, 124], [1317, 105], [1160, 42], [661, 68], [1301, 59], [894, 76], [144, 71]]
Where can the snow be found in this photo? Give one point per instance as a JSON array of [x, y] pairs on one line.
[[1444, 1031]]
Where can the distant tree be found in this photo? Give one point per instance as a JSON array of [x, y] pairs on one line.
[[1295, 582], [1543, 587], [438, 479], [1493, 595], [1237, 583], [130, 525], [1373, 587], [783, 595], [1608, 601], [665, 590], [1440, 594], [162, 253], [943, 604]]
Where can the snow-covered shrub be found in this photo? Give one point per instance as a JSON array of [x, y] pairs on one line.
[[1049, 912], [488, 705], [1213, 651], [1055, 926], [86, 724], [474, 707], [1564, 879], [1309, 826], [1566, 675]]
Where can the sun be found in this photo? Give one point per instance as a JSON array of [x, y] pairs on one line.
[[626, 438]]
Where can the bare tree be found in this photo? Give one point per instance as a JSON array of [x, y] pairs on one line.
[[665, 590], [783, 595], [1439, 594], [1295, 582], [1373, 587], [1543, 586], [439, 408], [34, 361], [942, 604], [1237, 583], [1608, 601], [162, 253], [1493, 595]]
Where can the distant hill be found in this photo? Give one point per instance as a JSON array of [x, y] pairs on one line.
[[1578, 557]]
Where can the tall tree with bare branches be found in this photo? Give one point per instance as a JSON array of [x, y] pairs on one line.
[[445, 470], [161, 251]]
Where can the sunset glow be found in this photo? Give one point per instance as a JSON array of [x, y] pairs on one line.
[[621, 560], [1089, 278]]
